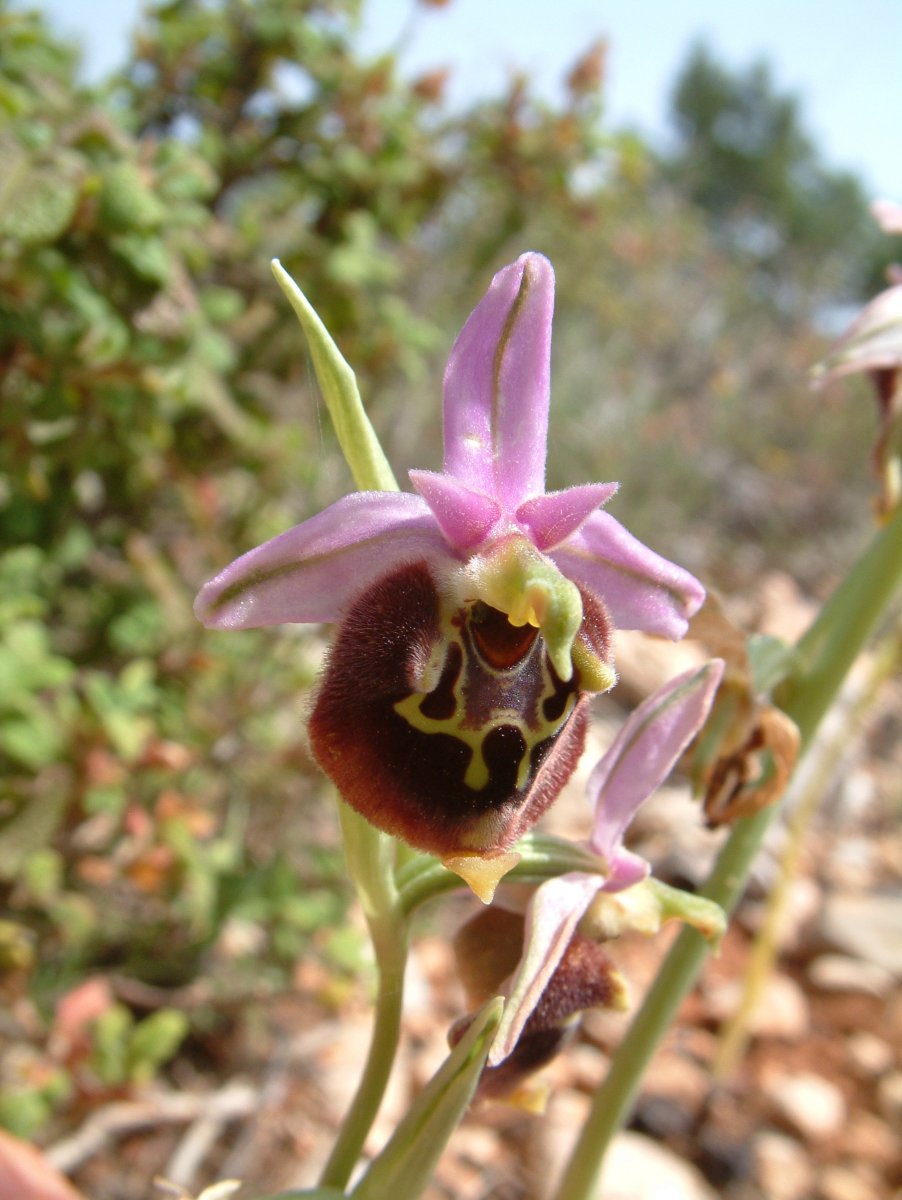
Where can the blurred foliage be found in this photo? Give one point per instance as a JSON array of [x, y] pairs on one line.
[[743, 155], [156, 790], [162, 831]]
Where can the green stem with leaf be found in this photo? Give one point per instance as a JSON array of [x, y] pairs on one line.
[[371, 855], [822, 660]]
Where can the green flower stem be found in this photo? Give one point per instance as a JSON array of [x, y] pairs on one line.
[[542, 857], [370, 854], [824, 656], [404, 1168]]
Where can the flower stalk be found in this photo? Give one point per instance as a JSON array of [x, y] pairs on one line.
[[823, 658], [370, 853]]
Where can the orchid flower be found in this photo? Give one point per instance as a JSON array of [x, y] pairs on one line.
[[486, 949], [474, 615], [637, 762]]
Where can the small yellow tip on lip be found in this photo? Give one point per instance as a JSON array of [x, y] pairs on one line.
[[482, 875], [530, 1097]]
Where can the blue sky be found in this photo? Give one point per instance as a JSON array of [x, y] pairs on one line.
[[843, 59]]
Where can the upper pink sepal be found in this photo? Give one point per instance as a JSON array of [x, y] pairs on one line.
[[550, 519], [313, 571], [464, 516], [497, 386], [641, 590]]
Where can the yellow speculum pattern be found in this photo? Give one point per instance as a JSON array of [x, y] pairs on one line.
[[473, 736]]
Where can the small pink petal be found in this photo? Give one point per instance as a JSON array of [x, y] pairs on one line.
[[552, 518], [554, 912], [640, 589], [497, 386], [315, 570], [625, 869], [642, 756], [465, 517]]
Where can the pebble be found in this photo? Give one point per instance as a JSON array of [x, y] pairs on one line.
[[800, 912], [811, 1104], [679, 1079], [870, 1055], [637, 1168], [782, 1011], [870, 1140], [549, 1151], [866, 926], [844, 1183], [839, 973], [889, 1097], [785, 1170]]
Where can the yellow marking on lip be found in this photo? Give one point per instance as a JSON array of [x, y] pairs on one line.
[[477, 774], [482, 874]]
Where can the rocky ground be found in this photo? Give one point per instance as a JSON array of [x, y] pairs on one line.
[[813, 1111]]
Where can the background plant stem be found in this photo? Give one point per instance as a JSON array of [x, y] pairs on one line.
[[824, 656]]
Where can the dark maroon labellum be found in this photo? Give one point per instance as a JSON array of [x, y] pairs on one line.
[[452, 730]]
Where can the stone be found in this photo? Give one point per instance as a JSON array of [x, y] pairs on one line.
[[675, 1077], [812, 1105], [800, 911], [781, 1013], [555, 1134], [846, 1183], [870, 1055], [839, 973], [866, 926], [636, 1168], [25, 1172], [889, 1097], [785, 1170], [870, 1140]]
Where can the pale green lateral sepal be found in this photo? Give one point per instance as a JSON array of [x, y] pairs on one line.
[[405, 1166], [356, 435], [644, 907]]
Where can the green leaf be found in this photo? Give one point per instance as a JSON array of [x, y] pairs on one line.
[[126, 201], [37, 199], [111, 1033], [356, 436], [146, 254], [405, 1166], [154, 1041], [33, 740]]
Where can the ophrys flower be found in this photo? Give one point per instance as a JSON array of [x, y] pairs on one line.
[[474, 615]]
